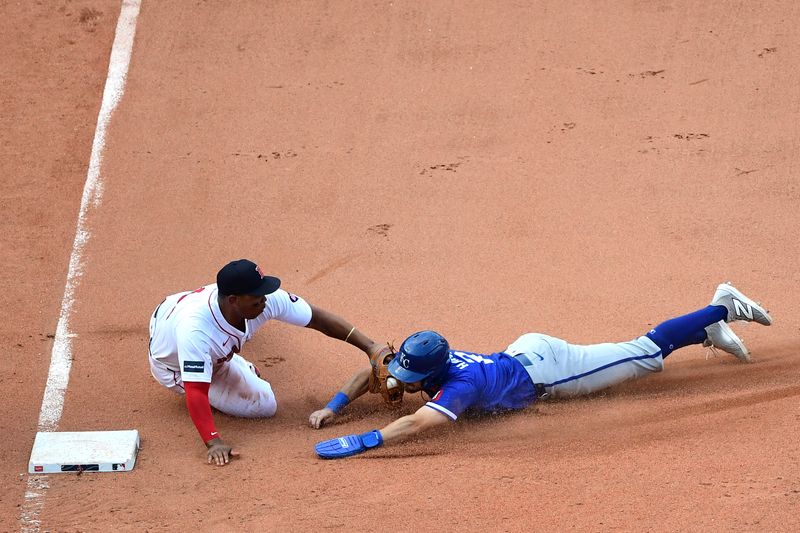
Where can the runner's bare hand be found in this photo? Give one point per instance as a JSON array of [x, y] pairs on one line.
[[319, 418]]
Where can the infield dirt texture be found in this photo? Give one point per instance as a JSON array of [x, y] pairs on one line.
[[485, 169]]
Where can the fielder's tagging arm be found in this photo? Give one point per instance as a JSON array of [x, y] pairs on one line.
[[338, 328]]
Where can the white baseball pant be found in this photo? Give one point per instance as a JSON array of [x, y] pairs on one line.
[[235, 389]]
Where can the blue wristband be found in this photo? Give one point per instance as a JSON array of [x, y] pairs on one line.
[[338, 402], [371, 439]]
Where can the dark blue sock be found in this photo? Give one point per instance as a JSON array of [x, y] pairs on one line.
[[687, 329]]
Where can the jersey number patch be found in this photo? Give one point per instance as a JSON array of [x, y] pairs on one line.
[[462, 359]]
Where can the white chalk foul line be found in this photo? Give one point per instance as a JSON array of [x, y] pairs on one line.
[[61, 356]]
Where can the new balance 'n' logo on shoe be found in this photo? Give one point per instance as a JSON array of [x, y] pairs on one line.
[[742, 309], [739, 306]]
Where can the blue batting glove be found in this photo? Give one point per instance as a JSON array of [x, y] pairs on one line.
[[349, 445]]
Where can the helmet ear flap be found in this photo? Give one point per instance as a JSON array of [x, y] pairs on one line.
[[434, 380]]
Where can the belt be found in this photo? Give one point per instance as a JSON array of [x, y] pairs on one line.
[[541, 392]]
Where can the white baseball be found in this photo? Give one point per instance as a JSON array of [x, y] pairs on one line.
[[391, 383]]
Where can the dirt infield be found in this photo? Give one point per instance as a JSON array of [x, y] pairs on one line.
[[481, 168]]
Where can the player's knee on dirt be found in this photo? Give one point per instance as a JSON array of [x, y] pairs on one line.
[[267, 406], [243, 398]]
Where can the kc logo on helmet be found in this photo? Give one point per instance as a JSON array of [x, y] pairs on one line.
[[403, 361]]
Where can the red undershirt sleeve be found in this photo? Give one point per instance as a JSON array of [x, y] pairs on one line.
[[200, 409]]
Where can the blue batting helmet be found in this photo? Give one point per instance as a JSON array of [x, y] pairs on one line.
[[423, 355]]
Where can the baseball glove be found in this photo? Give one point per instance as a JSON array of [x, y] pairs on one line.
[[380, 359]]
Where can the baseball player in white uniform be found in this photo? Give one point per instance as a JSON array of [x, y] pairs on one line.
[[196, 338]]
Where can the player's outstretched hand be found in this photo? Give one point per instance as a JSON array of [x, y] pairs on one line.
[[321, 417], [220, 453], [349, 445]]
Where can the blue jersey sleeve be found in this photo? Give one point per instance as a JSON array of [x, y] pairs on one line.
[[454, 398]]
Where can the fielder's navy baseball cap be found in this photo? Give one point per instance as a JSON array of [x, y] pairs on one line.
[[244, 277]]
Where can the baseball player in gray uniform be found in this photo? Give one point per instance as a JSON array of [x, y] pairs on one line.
[[533, 367]]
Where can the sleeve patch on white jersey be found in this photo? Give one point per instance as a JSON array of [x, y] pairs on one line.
[[286, 307], [194, 366]]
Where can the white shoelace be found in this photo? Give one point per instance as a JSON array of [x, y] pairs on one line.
[[711, 351]]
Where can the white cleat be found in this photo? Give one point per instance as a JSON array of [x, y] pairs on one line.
[[739, 306], [720, 335]]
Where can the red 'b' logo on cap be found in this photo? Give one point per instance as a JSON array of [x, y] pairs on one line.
[[260, 272]]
